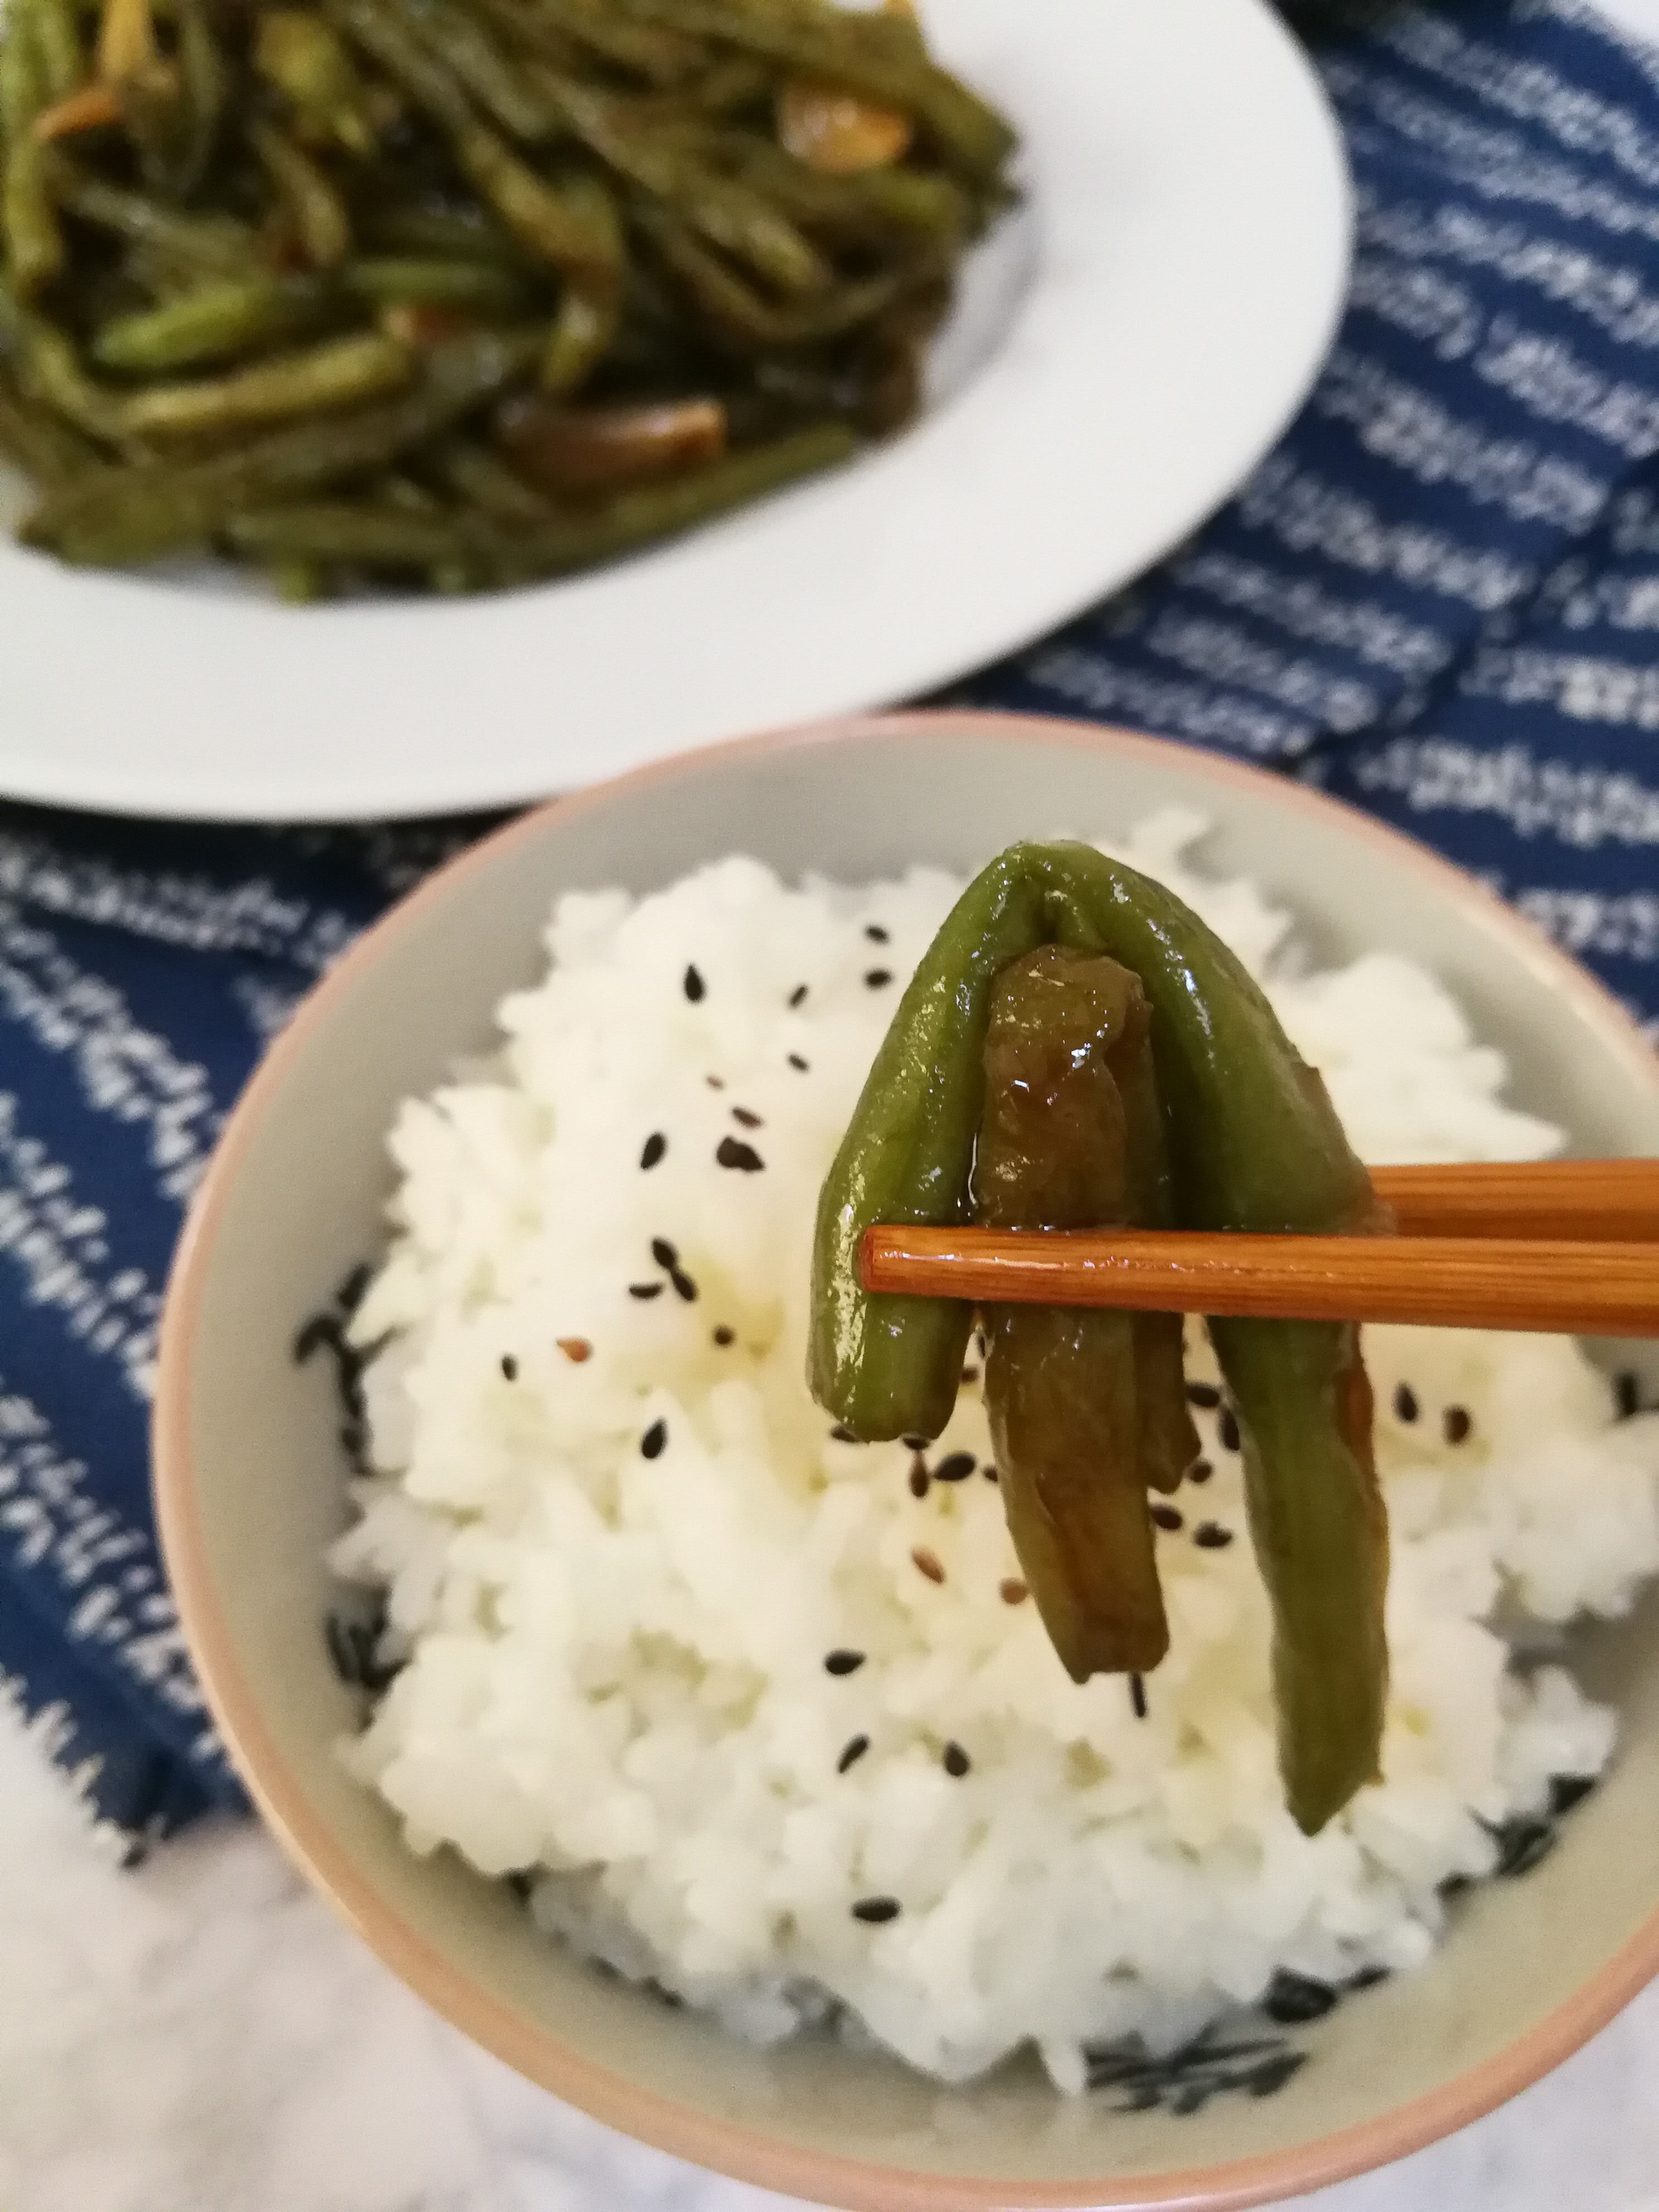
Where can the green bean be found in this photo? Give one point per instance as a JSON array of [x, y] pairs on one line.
[[22, 74], [214, 245], [387, 537], [306, 60], [843, 48], [1062, 1388], [34, 238], [726, 211], [879, 200], [340, 373], [583, 333], [315, 208], [298, 583], [414, 234], [575, 229], [46, 450], [58, 43], [664, 58], [502, 90], [487, 483], [1254, 1146], [386, 282], [53, 375], [735, 310], [139, 515], [214, 322], [203, 82]]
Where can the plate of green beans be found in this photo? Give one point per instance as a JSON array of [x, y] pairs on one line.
[[426, 403]]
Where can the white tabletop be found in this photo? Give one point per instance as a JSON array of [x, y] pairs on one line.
[[200, 2036]]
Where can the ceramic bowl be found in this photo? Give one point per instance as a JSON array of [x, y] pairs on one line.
[[250, 1478]]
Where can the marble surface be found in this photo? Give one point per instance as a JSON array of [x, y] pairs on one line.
[[200, 2036]]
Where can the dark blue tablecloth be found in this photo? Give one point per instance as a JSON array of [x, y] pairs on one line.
[[1439, 597]]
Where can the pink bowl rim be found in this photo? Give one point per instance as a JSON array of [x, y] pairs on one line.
[[740, 2151]]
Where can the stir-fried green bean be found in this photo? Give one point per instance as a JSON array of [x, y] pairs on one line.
[[315, 211], [242, 247], [211, 323], [1253, 1145]]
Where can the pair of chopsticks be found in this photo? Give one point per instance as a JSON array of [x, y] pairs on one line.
[[1568, 1246]]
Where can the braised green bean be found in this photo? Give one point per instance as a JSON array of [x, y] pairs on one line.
[[212, 323], [1253, 1146], [337, 373], [315, 211], [137, 515], [391, 536], [239, 261]]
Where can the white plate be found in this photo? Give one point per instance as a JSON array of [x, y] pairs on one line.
[[1127, 349]]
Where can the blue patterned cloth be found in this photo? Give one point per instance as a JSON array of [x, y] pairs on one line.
[[1439, 597]]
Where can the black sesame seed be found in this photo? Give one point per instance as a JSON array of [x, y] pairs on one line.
[[1199, 1471], [1367, 1978], [733, 1152], [979, 1339], [1522, 1843], [1205, 1395], [842, 1434], [875, 932], [1211, 1536], [694, 985], [1138, 1696], [1567, 1791], [843, 1662], [955, 1761], [1293, 1998], [1406, 1407], [1227, 1429], [664, 1252], [955, 1467], [1626, 1395], [990, 1473], [855, 1749], [971, 1374], [349, 1296], [510, 1367], [875, 1910], [926, 1562], [920, 1478], [645, 1290], [797, 994], [320, 1329], [744, 1119], [714, 1082], [1457, 1424], [795, 1060], [684, 1283], [1166, 1516], [723, 1336], [652, 1442], [878, 979], [655, 1145]]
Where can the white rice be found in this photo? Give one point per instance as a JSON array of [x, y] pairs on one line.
[[615, 1676]]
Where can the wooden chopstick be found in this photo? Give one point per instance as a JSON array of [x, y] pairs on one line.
[[1452, 1282], [1595, 1199], [1582, 1268]]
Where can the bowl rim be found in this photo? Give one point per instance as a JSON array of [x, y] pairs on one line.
[[735, 2148]]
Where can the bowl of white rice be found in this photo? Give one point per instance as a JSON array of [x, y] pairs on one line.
[[711, 1768]]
